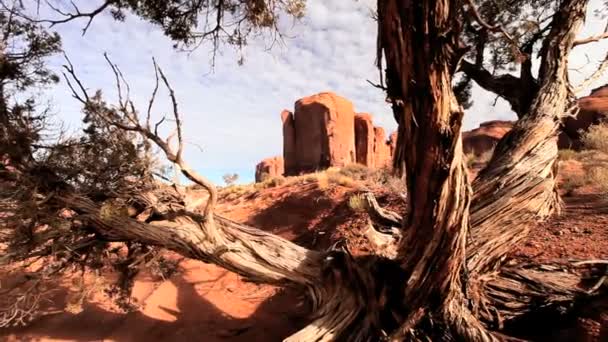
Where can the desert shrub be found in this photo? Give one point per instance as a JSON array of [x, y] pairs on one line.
[[356, 171], [339, 178], [596, 137], [573, 182], [598, 177], [385, 178], [322, 180], [234, 191], [567, 154], [270, 182], [356, 203]]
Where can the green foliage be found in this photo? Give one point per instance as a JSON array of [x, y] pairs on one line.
[[526, 21], [104, 158], [24, 47], [190, 23]]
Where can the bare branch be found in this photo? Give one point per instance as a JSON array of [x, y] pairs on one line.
[[76, 15], [129, 113], [178, 123], [153, 96], [377, 85], [70, 69], [601, 69], [592, 39]]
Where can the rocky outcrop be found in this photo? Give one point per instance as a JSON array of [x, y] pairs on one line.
[[325, 132], [289, 142], [593, 110], [269, 167], [364, 139], [382, 149], [372, 148], [482, 139]]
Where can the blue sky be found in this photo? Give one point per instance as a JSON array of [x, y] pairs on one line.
[[232, 111]]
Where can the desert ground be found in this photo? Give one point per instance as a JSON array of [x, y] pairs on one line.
[[199, 301]]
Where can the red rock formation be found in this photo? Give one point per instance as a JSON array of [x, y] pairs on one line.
[[392, 142], [485, 137], [382, 149], [364, 139], [593, 109], [269, 167], [325, 132], [289, 143]]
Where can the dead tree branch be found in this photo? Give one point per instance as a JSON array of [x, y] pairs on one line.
[[77, 14], [129, 121]]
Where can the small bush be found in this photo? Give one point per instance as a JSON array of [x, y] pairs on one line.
[[270, 182], [356, 171], [324, 180], [598, 177], [357, 203], [570, 184], [567, 154], [340, 179], [596, 137]]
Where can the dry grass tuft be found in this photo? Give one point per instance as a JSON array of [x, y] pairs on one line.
[[596, 137], [473, 160], [568, 154], [598, 176], [357, 203]]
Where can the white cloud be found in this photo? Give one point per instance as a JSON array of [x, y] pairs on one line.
[[234, 111]]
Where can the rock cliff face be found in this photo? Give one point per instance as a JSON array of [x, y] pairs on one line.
[[382, 149], [485, 137], [364, 139], [269, 167], [324, 131], [289, 142]]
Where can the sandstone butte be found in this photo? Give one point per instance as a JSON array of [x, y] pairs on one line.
[[324, 131]]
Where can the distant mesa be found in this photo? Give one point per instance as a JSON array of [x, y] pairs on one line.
[[593, 110], [324, 131], [482, 139]]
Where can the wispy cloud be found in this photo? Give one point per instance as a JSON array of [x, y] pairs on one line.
[[233, 112]]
